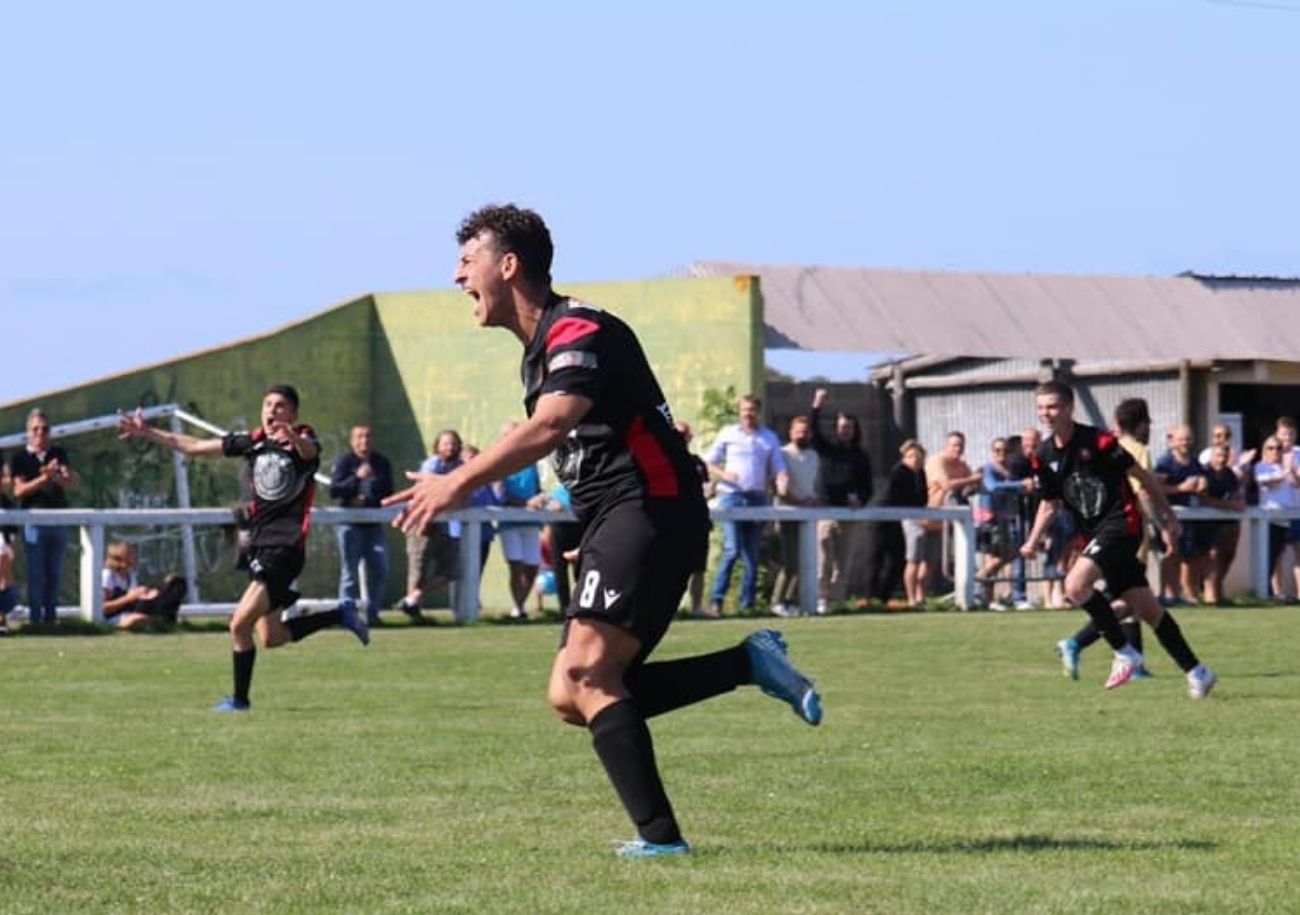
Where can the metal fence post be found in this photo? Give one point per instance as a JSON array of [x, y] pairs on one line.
[[1259, 570], [188, 563], [92, 560], [963, 553], [808, 566], [471, 547]]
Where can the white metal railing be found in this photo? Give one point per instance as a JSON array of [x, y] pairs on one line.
[[93, 522]]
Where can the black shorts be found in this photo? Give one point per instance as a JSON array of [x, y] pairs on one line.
[[277, 567], [1117, 559], [633, 567]]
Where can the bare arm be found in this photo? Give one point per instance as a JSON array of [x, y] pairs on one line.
[[1047, 510], [554, 418], [132, 425]]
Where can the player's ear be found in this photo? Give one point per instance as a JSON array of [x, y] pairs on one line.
[[509, 265]]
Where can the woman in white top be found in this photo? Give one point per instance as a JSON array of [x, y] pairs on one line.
[[1276, 475]]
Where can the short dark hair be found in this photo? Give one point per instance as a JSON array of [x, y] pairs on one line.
[[1055, 388], [1132, 413], [287, 391], [516, 231]]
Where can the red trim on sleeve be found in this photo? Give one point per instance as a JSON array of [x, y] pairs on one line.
[[306, 511], [569, 330], [661, 478]]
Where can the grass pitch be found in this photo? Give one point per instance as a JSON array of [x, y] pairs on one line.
[[956, 771]]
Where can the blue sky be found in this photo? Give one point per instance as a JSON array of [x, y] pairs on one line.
[[176, 176]]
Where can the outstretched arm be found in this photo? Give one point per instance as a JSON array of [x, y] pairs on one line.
[[554, 417], [133, 426]]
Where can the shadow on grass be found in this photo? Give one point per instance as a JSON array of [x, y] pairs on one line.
[[1025, 843]]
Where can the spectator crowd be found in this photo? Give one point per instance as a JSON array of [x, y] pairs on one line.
[[820, 463]]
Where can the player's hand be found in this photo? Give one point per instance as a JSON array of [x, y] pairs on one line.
[[281, 432], [431, 495], [131, 425], [1029, 549], [819, 398], [1172, 530]]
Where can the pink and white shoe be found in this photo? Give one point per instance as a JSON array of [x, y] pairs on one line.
[[1121, 671]]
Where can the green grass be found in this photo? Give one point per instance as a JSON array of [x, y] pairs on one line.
[[956, 771]]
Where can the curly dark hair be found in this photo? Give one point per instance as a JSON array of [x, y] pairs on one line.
[[516, 231]]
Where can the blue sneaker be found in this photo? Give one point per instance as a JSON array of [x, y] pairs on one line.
[[775, 675], [1068, 649], [1142, 673], [352, 621], [231, 704], [640, 848]]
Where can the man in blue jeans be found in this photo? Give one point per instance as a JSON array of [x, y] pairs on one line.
[[362, 478], [746, 461]]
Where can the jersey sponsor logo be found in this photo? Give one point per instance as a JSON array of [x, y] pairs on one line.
[[665, 412], [611, 596], [1086, 493], [274, 478], [570, 360]]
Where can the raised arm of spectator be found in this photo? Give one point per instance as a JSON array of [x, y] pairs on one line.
[[820, 442]]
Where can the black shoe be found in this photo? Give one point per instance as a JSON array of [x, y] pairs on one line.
[[411, 610]]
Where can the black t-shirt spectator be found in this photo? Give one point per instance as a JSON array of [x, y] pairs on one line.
[[845, 469], [907, 487], [1175, 472], [26, 465]]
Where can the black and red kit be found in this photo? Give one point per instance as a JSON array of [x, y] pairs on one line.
[[630, 478], [281, 487]]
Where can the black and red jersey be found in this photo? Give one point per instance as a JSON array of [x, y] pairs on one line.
[[625, 449], [1090, 476], [281, 487]]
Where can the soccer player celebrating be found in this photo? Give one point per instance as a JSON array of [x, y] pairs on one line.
[[1085, 470], [282, 457], [592, 399]]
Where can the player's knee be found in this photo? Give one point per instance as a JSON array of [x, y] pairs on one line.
[[1077, 594], [561, 700], [275, 638]]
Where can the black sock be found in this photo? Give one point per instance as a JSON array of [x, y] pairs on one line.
[[1172, 641], [667, 685], [302, 626], [622, 742], [1086, 635], [244, 672], [1133, 632], [1099, 609]]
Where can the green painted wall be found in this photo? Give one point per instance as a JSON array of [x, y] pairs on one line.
[[697, 333], [408, 363]]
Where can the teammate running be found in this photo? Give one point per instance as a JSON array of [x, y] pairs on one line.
[[282, 456], [1085, 470], [592, 399]]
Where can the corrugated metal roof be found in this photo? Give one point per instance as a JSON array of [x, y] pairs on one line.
[[1024, 315]]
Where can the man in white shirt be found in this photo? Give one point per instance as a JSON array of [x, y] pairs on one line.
[[746, 460], [801, 463]]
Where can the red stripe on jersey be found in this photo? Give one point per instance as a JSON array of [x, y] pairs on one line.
[[568, 330], [649, 455], [306, 511], [1132, 514]]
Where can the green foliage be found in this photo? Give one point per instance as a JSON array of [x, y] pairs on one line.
[[956, 772], [717, 409]]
